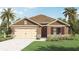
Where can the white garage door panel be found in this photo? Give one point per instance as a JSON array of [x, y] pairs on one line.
[[20, 33], [25, 33]]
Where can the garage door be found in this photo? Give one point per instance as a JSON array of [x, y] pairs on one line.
[[21, 33]]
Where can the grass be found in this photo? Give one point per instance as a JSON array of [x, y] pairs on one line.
[[61, 45]]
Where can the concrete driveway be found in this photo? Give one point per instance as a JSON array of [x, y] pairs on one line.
[[14, 44]]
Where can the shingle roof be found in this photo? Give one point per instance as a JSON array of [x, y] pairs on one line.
[[42, 19]]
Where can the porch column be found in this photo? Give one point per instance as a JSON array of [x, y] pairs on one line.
[[48, 31], [65, 30], [38, 32]]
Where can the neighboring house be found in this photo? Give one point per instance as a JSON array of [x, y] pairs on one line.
[[39, 26]]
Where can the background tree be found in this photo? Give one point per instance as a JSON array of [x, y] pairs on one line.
[[71, 13]]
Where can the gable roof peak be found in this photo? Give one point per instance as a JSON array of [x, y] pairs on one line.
[[40, 14], [43, 15], [42, 18], [59, 21]]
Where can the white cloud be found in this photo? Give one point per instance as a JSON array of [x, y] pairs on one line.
[[0, 9], [31, 7], [25, 9], [18, 12], [77, 11], [78, 14]]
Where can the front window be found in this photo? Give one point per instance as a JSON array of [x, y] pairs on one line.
[[57, 30]]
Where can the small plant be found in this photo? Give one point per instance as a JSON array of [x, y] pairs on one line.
[[38, 37], [49, 38]]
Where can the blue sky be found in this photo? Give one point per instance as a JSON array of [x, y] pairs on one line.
[[55, 12]]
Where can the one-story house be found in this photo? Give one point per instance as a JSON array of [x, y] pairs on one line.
[[41, 26]]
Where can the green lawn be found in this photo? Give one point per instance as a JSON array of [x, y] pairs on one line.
[[61, 45]]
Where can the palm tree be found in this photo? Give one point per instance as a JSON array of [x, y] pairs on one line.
[[7, 15], [71, 13]]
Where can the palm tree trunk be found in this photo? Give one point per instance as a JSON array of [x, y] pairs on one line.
[[66, 18], [7, 24], [4, 35]]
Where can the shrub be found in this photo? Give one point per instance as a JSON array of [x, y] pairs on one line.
[[8, 38], [4, 39], [76, 37], [56, 38]]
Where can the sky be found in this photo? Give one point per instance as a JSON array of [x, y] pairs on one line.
[[54, 12]]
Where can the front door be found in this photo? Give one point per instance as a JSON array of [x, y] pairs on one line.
[[44, 31]]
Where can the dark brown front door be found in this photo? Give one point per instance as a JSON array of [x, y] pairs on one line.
[[44, 31]]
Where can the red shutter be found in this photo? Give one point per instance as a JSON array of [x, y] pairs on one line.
[[51, 30]]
